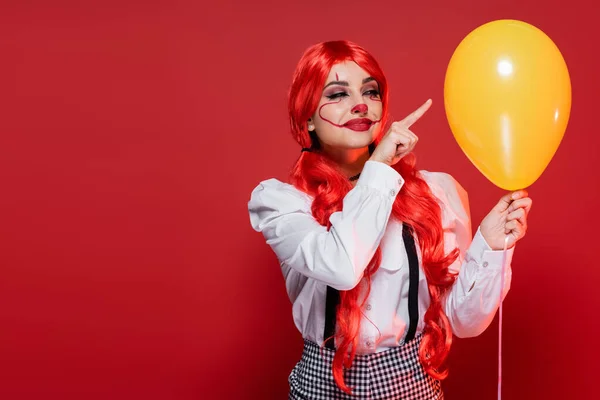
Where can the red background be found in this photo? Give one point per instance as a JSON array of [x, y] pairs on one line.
[[132, 133]]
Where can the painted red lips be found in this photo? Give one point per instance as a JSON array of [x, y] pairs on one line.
[[359, 124]]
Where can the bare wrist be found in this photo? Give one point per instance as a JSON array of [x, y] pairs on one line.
[[378, 160]]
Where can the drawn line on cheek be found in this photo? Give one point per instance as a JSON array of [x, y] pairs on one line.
[[374, 98], [325, 119]]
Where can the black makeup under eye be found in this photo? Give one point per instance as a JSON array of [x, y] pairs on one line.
[[372, 92]]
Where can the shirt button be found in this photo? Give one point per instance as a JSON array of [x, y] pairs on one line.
[[368, 307], [400, 181], [392, 192], [485, 264]]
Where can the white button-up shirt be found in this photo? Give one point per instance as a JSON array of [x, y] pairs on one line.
[[312, 257]]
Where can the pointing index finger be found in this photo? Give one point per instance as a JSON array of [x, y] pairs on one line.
[[416, 115]]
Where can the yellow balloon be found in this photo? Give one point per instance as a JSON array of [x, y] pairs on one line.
[[507, 97]]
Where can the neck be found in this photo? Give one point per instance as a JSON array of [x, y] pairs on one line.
[[350, 162]]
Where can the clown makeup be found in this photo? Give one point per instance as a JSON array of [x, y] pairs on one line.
[[350, 109]]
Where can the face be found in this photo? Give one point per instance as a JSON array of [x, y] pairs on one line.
[[349, 113]]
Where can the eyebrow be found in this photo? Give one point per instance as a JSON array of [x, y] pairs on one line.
[[344, 83]]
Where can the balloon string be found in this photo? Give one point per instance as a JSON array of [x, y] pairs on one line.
[[500, 319]]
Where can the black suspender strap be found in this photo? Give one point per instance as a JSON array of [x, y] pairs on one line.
[[333, 295], [332, 301], [413, 288]]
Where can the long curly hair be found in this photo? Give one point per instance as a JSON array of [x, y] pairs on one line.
[[415, 206]]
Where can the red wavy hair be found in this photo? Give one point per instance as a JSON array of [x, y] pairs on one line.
[[415, 205]]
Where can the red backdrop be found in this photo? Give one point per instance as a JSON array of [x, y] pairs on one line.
[[131, 137]]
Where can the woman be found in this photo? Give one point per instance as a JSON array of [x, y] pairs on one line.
[[378, 257]]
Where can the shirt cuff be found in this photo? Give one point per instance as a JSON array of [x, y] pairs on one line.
[[484, 256], [382, 177]]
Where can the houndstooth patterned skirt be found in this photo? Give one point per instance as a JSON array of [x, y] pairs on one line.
[[391, 374]]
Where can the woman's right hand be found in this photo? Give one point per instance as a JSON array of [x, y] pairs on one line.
[[399, 140]]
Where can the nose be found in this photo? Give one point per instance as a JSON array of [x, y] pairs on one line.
[[360, 109]]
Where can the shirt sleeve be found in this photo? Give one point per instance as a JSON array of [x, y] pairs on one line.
[[474, 297], [338, 256]]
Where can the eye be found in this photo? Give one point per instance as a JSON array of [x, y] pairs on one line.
[[372, 92], [336, 95]]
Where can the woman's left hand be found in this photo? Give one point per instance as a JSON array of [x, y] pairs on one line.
[[508, 217]]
